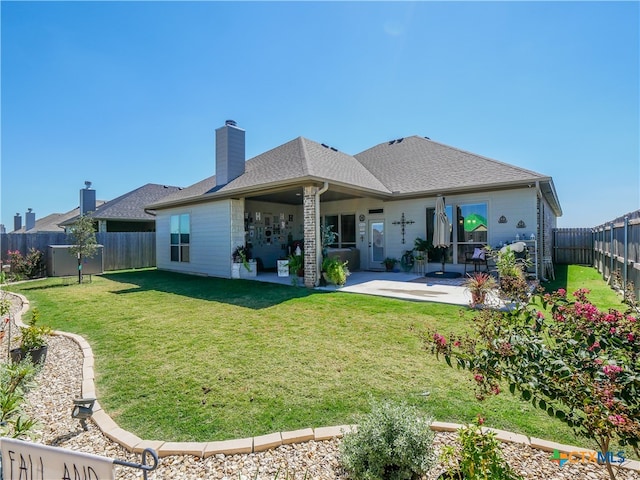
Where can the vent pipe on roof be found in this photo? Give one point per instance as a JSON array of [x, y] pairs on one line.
[[29, 219], [87, 199], [17, 222], [230, 155]]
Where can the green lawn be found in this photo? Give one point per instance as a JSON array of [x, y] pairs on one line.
[[183, 358]]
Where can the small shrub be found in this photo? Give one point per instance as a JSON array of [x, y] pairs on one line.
[[392, 442], [478, 456], [14, 380]]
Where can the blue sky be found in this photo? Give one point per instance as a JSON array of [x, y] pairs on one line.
[[123, 93]]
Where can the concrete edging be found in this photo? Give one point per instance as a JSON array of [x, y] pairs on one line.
[[135, 444]]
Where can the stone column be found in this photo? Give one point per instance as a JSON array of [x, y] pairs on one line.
[[310, 241]]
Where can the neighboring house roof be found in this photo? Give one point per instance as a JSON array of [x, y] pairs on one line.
[[409, 167], [52, 222], [131, 205]]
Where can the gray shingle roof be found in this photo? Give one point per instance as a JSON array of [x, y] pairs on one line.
[[131, 205], [418, 165], [52, 222], [409, 166], [302, 158], [293, 161]]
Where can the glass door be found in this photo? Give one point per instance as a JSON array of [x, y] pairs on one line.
[[376, 244]]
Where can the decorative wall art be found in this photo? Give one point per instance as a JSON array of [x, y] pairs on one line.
[[521, 224], [502, 219]]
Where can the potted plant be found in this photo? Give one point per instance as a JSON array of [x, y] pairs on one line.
[[389, 263], [407, 261], [511, 273], [422, 247], [479, 285], [335, 271], [33, 341], [242, 258], [296, 267]]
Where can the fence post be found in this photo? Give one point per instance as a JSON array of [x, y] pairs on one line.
[[626, 256], [611, 254]]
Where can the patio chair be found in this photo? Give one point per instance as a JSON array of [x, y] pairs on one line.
[[477, 258]]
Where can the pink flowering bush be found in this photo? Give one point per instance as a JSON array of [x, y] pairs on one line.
[[28, 266], [581, 365]]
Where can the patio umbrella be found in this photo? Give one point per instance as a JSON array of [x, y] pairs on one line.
[[441, 228]]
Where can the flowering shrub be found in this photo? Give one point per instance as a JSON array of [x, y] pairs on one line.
[[581, 365], [29, 266]]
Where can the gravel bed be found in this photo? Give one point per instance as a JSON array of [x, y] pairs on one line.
[[59, 382]]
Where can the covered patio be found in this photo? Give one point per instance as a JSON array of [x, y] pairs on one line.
[[407, 286]]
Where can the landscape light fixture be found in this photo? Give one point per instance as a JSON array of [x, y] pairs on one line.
[[82, 410]]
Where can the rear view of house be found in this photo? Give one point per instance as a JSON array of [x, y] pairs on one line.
[[378, 201]]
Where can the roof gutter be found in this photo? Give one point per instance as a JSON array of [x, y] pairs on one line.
[[318, 236]]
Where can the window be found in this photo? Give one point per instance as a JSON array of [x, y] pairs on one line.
[[344, 224], [180, 238], [471, 227]]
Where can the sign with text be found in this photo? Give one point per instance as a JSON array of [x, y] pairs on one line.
[[32, 461]]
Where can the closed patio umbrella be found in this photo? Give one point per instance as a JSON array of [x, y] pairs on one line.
[[441, 228]]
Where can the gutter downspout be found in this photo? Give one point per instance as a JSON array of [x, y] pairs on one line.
[[318, 236]]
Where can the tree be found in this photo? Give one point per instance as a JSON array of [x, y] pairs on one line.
[[581, 365], [83, 237]]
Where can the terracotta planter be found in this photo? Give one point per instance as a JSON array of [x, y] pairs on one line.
[[38, 355], [478, 298]]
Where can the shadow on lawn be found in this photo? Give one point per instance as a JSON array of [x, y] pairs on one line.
[[561, 274], [242, 293]]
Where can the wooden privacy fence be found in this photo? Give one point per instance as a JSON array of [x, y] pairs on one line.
[[613, 248], [122, 250], [617, 250], [573, 246]]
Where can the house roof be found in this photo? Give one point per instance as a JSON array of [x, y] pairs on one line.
[[418, 165], [131, 205], [52, 222], [411, 166], [297, 160]]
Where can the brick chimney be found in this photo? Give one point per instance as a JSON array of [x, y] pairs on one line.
[[17, 222], [29, 219], [87, 199], [229, 153]]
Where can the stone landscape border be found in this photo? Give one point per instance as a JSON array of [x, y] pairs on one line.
[[135, 444]]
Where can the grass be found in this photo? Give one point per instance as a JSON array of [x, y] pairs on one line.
[[186, 358]]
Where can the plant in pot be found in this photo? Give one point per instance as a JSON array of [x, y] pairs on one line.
[[479, 285], [296, 267], [243, 265], [389, 263], [422, 247], [335, 271], [511, 272], [33, 341], [407, 261]]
